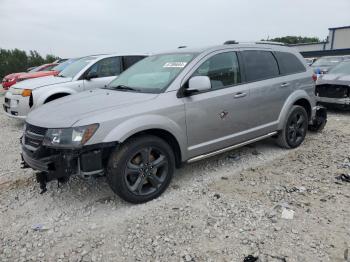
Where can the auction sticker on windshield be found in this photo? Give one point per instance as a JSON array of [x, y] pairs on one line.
[[175, 64]]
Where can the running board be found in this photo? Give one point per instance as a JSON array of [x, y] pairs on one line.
[[200, 157]]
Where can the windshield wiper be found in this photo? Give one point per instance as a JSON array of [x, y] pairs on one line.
[[123, 87]]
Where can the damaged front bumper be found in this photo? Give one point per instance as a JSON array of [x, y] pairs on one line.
[[338, 101], [320, 119], [59, 164]]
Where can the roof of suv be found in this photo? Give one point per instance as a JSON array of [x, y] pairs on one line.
[[99, 56], [258, 45]]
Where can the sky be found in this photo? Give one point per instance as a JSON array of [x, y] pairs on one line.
[[72, 28]]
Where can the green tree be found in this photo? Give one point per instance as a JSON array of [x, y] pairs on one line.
[[294, 39], [15, 60]]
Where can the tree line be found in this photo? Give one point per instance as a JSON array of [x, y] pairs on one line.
[[15, 60], [294, 40]]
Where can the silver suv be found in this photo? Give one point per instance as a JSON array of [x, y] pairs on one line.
[[171, 108]]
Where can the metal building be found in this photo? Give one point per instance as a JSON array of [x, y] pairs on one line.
[[337, 43]]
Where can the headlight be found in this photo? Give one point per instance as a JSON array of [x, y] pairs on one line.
[[22, 92], [16, 91], [69, 137]]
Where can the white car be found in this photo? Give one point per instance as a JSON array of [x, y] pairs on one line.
[[87, 73]]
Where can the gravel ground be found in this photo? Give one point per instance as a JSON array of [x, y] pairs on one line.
[[221, 209]]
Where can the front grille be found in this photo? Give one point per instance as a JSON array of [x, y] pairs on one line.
[[332, 91], [32, 142], [36, 129], [34, 135]]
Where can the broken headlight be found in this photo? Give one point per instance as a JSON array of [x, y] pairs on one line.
[[69, 137]]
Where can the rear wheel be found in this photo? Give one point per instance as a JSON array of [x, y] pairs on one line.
[[295, 128], [141, 169]]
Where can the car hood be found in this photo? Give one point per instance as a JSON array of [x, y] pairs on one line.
[[13, 75], [335, 79], [66, 111], [41, 81], [38, 74]]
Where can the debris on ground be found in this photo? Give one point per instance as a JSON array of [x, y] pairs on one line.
[[250, 258], [343, 177], [287, 213]]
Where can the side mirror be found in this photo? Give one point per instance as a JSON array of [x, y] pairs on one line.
[[91, 75], [198, 84]]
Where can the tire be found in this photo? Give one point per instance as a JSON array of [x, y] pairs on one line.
[[141, 168], [293, 133]]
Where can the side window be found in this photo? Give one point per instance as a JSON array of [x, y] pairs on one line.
[[259, 65], [222, 69], [289, 63], [130, 60], [107, 67]]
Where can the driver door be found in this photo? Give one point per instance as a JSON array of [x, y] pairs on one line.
[[217, 118], [106, 70]]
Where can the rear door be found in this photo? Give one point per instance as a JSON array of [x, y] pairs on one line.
[[267, 89], [107, 69]]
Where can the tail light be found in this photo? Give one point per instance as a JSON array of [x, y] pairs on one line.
[[314, 77]]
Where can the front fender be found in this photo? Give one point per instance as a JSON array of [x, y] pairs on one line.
[[40, 95], [146, 122], [295, 96]]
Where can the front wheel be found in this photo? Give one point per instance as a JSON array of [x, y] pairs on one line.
[[141, 169], [294, 129]]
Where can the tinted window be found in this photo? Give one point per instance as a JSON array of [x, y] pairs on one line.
[[130, 60], [107, 67], [289, 63], [259, 65], [222, 69]]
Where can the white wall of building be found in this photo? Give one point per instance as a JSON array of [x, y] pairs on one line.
[[341, 38], [309, 47]]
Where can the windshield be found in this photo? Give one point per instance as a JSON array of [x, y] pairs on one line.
[[342, 68], [76, 67], [152, 74], [327, 61], [64, 64], [35, 69]]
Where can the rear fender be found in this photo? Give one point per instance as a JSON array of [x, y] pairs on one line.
[[295, 96]]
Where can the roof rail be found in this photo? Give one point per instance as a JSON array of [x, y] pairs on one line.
[[230, 42], [269, 43]]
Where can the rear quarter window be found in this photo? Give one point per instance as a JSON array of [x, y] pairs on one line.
[[289, 63], [259, 65]]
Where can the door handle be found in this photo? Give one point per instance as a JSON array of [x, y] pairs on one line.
[[284, 84], [239, 95]]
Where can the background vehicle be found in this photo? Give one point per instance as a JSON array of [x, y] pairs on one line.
[[86, 73], [323, 64], [310, 60], [51, 72], [333, 89], [12, 79], [171, 108]]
